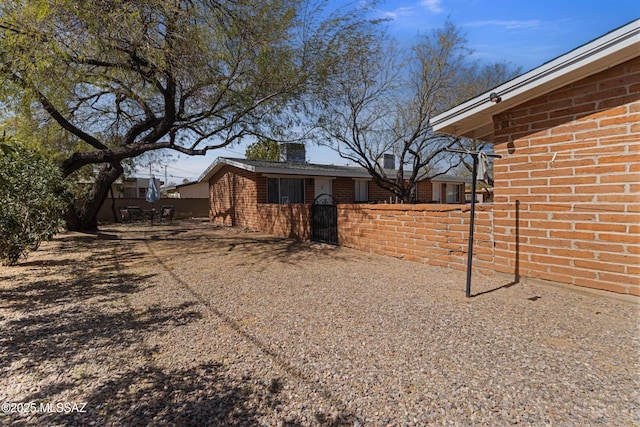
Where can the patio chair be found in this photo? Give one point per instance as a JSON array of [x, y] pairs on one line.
[[124, 215], [166, 214]]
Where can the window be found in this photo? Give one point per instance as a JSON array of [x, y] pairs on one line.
[[362, 191], [284, 191], [453, 193]]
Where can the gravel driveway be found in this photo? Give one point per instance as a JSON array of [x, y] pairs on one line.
[[190, 324]]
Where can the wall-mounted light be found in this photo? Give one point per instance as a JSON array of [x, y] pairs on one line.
[[494, 97]]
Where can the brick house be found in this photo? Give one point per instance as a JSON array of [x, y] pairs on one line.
[[275, 196], [567, 188]]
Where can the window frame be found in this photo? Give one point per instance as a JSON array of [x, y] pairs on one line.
[[275, 184], [365, 185]]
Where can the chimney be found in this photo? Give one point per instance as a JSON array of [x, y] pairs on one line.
[[292, 152], [388, 161]]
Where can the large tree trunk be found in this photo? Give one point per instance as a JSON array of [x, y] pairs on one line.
[[83, 217]]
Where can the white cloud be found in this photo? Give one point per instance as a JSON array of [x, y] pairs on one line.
[[432, 5], [508, 25], [401, 12]]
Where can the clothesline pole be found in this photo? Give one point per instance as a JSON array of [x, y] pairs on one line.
[[471, 221], [472, 212]]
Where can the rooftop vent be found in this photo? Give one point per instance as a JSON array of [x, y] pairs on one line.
[[388, 161]]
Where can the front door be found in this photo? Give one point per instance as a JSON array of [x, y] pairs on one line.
[[323, 186]]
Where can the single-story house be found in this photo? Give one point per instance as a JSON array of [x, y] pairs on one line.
[[240, 189], [188, 190], [567, 188]]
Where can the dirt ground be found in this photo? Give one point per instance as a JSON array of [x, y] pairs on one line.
[[192, 324]]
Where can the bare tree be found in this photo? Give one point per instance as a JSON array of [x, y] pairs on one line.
[[384, 105]]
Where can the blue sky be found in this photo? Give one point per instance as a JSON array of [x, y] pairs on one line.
[[523, 33]]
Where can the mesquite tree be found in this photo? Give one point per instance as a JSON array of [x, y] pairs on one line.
[[124, 77]]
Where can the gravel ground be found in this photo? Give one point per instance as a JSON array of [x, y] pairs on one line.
[[190, 324]]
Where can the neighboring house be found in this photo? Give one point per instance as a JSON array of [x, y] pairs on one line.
[[189, 190], [567, 188], [133, 188], [238, 187], [448, 189], [483, 194]]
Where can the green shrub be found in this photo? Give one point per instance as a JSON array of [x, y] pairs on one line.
[[33, 201]]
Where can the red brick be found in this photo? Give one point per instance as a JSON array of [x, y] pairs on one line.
[[599, 284], [600, 226], [621, 279], [618, 238]]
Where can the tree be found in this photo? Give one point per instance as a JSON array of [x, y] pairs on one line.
[[385, 103], [33, 201], [125, 77], [264, 149]]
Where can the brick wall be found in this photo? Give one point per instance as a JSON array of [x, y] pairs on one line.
[[425, 191], [290, 221], [344, 189], [567, 190], [435, 234], [233, 193]]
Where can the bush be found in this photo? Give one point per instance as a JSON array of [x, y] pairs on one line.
[[33, 201]]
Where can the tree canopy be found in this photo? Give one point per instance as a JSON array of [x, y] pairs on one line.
[[265, 149], [123, 77]]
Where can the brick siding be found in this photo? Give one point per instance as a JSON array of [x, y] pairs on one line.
[[232, 195], [573, 218]]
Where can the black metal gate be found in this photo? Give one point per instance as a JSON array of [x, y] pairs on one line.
[[324, 220]]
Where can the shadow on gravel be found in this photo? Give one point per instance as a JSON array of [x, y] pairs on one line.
[[71, 321], [342, 418], [42, 294], [249, 247], [206, 395], [76, 335]]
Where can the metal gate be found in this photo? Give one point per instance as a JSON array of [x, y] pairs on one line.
[[324, 220]]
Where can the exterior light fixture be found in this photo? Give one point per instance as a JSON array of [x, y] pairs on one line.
[[494, 97]]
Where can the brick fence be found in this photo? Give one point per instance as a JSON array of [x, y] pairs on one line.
[[506, 240], [435, 234]]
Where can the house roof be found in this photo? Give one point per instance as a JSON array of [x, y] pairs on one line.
[[298, 169], [284, 168], [473, 118], [450, 178], [187, 184]]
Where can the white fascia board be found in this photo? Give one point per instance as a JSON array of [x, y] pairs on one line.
[[474, 117], [217, 165]]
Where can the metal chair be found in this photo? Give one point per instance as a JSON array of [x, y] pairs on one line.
[[166, 214]]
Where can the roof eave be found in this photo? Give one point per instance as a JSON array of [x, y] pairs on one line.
[[474, 118], [221, 161]]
